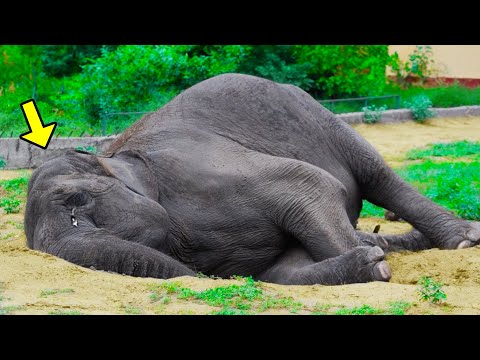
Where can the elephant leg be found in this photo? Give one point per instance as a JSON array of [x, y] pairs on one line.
[[381, 186], [411, 241], [313, 212], [361, 264]]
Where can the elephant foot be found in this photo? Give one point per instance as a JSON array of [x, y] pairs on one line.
[[372, 239], [368, 264], [467, 235], [471, 236]]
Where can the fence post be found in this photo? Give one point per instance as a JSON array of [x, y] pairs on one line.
[[397, 101], [103, 123]]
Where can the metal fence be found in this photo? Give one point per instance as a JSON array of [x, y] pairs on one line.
[[356, 104], [116, 122]]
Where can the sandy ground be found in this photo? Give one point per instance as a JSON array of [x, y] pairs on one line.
[[36, 283]]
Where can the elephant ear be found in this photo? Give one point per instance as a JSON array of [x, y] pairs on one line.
[[134, 170]]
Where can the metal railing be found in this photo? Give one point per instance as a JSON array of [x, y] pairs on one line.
[[107, 118], [330, 104]]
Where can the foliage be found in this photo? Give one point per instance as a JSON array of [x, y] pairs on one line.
[[66, 60], [87, 148], [132, 310], [345, 70], [277, 63], [144, 77], [65, 312], [15, 191], [3, 163], [453, 150], [370, 210], [372, 114], [395, 308], [419, 65], [234, 299], [430, 290], [48, 292], [249, 298], [10, 205], [454, 185], [362, 310], [421, 108]]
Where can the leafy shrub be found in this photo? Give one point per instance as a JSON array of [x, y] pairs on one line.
[[344, 70], [430, 290], [421, 108], [419, 65], [3, 162], [372, 114], [10, 205]]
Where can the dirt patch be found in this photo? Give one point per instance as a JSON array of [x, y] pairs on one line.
[[32, 282]]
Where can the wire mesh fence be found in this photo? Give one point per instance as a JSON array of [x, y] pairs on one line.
[[114, 123]]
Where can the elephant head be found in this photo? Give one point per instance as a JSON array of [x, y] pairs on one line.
[[100, 212]]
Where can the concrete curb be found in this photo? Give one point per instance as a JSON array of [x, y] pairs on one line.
[[401, 115], [21, 155]]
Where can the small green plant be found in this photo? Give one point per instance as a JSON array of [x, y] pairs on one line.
[[7, 310], [235, 299], [3, 163], [132, 310], [430, 290], [398, 308], [421, 107], [10, 205], [419, 66], [7, 236], [362, 310], [372, 113], [48, 292], [90, 149], [65, 312]]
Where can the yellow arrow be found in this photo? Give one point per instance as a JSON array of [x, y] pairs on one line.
[[39, 134]]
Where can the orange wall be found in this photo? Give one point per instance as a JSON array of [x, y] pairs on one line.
[[456, 61]]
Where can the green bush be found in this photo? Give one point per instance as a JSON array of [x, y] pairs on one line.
[[3, 162], [10, 205], [345, 70], [421, 108], [430, 290], [372, 113]]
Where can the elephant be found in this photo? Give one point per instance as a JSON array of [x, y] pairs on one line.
[[236, 175]]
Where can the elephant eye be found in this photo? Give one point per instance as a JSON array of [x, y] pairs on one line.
[[78, 199]]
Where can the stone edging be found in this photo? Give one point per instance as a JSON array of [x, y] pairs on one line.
[[21, 155], [400, 115]]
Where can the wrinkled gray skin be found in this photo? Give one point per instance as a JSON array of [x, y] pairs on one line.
[[235, 176]]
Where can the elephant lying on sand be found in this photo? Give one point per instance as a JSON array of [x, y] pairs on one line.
[[235, 176]]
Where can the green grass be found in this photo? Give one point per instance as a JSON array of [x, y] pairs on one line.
[[49, 292], [249, 298], [443, 96], [453, 150], [453, 184], [396, 308], [65, 312], [13, 193], [132, 310], [8, 310]]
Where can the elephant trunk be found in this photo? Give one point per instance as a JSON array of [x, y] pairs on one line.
[[98, 248]]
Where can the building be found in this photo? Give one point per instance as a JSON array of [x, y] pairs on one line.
[[452, 63]]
